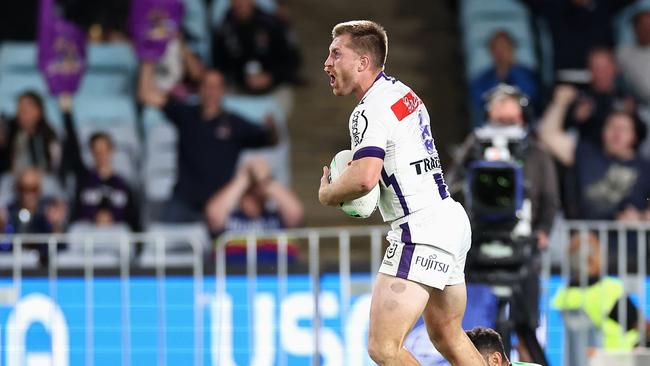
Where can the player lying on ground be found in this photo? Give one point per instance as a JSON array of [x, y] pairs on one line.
[[423, 269]]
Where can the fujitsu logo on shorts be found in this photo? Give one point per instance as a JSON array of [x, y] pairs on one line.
[[431, 263]]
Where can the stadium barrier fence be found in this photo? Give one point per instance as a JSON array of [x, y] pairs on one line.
[[628, 242]]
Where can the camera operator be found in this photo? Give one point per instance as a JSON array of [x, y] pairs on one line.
[[505, 112]]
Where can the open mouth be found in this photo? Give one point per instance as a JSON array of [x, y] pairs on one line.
[[332, 78]]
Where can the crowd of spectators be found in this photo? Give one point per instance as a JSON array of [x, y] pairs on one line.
[[52, 186], [593, 128], [584, 155]]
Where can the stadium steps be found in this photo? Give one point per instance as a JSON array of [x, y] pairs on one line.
[[423, 53]]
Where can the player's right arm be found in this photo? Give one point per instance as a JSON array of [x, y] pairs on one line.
[[148, 92], [360, 177]]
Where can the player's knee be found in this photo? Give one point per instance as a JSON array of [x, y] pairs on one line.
[[381, 350]]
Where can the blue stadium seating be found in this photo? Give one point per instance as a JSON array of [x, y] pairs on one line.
[[17, 57], [195, 23], [480, 18], [117, 57], [159, 166]]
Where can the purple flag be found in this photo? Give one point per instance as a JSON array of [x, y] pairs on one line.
[[153, 24], [61, 50]]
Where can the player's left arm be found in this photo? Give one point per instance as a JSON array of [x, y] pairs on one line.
[[357, 180]]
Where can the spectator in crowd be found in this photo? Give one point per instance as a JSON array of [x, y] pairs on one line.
[[589, 110], [30, 141], [31, 213], [488, 342], [577, 26], [634, 59], [596, 300], [253, 49], [610, 180], [102, 196], [505, 70], [210, 142], [253, 200]]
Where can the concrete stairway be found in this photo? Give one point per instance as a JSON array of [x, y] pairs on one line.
[[423, 53]]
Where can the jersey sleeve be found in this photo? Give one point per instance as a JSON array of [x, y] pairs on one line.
[[370, 129]]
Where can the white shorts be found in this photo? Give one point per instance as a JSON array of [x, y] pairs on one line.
[[437, 259]]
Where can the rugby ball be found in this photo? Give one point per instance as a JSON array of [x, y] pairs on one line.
[[361, 207]]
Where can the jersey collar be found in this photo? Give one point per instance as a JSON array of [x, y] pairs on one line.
[[381, 75]]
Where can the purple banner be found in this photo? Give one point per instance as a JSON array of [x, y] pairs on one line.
[[153, 24], [61, 50]]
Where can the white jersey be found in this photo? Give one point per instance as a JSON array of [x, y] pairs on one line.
[[430, 233], [392, 123]]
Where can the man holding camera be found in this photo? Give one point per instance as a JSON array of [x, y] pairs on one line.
[[505, 113]]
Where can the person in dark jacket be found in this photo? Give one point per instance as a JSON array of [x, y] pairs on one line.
[[101, 196], [254, 49]]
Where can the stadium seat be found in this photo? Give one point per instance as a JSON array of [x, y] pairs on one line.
[[14, 83], [115, 57], [479, 19], [195, 23], [220, 8], [255, 109], [105, 246], [176, 239], [17, 57], [109, 83], [159, 165]]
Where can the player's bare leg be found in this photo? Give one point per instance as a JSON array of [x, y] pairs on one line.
[[443, 316], [396, 306]]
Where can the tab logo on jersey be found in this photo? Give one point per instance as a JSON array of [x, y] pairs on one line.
[[358, 131], [426, 165], [406, 105]]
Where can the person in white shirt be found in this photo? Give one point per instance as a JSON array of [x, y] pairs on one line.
[[423, 269]]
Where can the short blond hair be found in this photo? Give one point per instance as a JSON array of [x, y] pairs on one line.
[[367, 37]]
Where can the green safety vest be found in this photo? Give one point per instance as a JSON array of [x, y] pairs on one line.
[[597, 301]]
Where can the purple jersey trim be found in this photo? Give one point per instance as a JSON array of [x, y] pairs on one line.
[[392, 181], [369, 151], [407, 252], [442, 187]]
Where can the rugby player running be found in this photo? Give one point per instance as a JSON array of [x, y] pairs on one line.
[[422, 272]]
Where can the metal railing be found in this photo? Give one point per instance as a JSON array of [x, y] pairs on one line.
[[82, 259], [629, 241], [602, 249], [342, 235]]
